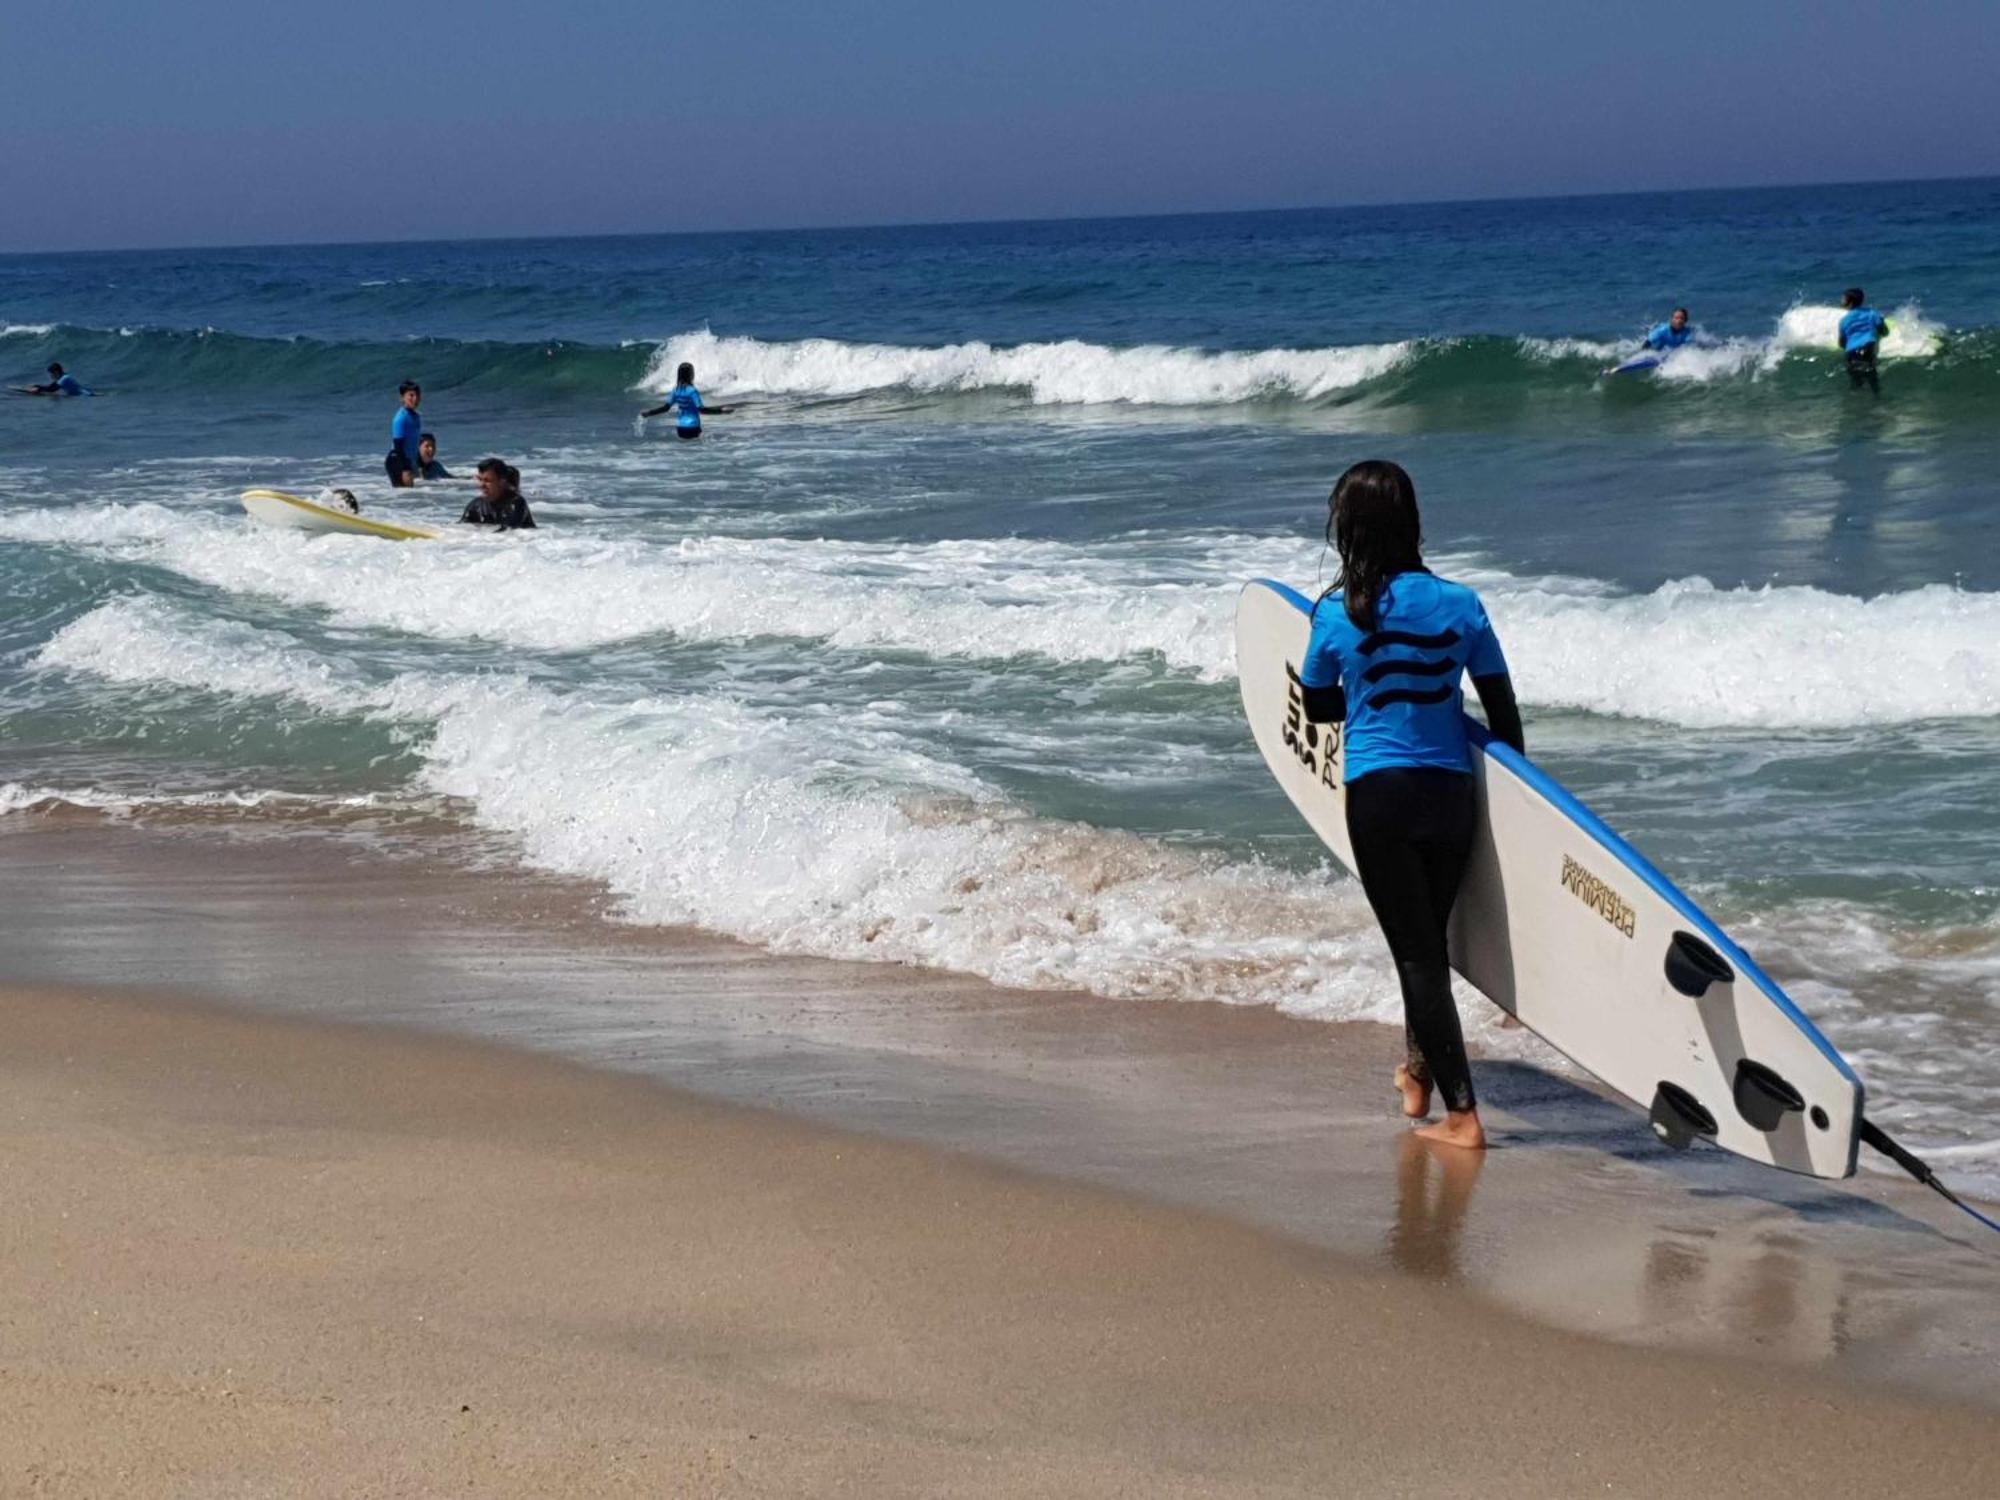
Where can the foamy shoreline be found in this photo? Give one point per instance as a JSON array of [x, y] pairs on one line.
[[1576, 1220]]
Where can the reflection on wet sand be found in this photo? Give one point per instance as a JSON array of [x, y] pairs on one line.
[[1433, 1191]]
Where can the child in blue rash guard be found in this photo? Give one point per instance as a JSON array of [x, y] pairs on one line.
[[685, 401], [1670, 334], [59, 384], [406, 431], [1861, 334], [1390, 643]]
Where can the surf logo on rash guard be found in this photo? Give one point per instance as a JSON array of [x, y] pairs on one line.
[[1599, 897]]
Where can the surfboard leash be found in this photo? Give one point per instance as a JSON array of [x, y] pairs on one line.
[[1881, 1140]]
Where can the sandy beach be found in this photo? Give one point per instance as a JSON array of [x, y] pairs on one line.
[[258, 1256], [258, 1247]]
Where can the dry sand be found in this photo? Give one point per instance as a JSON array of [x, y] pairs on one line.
[[258, 1256]]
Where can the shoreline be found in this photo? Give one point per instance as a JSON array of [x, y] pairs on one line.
[[1576, 1221]]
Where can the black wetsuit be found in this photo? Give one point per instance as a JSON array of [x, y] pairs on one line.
[[509, 513], [1412, 824]]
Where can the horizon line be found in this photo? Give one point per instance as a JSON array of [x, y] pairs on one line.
[[1001, 222]]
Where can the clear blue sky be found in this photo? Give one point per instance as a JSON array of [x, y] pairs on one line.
[[180, 122]]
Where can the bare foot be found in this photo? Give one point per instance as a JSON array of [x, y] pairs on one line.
[[1416, 1096], [1456, 1129]]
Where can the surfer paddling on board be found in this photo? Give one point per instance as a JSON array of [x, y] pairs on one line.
[[406, 431], [1390, 644], [58, 384], [1671, 334], [499, 504], [685, 400]]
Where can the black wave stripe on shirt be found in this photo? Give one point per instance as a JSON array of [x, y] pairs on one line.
[[1412, 695], [1370, 644], [1409, 667]]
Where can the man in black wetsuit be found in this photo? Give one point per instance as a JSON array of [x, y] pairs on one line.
[[499, 504]]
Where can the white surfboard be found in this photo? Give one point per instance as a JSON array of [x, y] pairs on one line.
[[296, 513], [1564, 925]]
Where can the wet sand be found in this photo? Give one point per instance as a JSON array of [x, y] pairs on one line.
[[255, 1253]]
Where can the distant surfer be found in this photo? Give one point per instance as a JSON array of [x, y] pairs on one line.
[[1390, 644], [1671, 334], [428, 466], [59, 383], [1862, 330], [406, 431], [499, 503], [685, 401]]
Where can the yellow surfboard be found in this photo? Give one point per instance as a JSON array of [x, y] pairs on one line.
[[296, 513]]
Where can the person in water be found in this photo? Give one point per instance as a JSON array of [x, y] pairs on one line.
[[499, 502], [1390, 642], [58, 384], [685, 400], [1671, 334], [406, 432], [1861, 333], [428, 466]]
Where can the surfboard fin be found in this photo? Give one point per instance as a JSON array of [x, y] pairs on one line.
[[1678, 1117], [1692, 966], [1763, 1096]]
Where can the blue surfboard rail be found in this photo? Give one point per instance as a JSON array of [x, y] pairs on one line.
[[1566, 802]]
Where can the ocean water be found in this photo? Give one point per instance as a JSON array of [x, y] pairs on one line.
[[924, 656]]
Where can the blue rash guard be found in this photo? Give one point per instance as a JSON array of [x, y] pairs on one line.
[[69, 385], [405, 432], [1404, 678], [1663, 337], [1860, 328], [686, 402]]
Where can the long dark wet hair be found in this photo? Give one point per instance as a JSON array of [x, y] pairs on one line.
[[1372, 522]]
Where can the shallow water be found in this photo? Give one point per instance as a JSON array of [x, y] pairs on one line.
[[925, 656]]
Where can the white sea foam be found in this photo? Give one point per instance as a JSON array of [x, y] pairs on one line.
[[1690, 653], [1065, 373], [1817, 329], [824, 832], [26, 330], [18, 797], [1686, 653], [814, 833]]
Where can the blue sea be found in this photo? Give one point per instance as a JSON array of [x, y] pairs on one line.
[[924, 655]]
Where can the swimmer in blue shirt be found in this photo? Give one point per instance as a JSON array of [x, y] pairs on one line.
[[58, 384], [685, 400], [1390, 644], [1671, 334], [1862, 330], [406, 435]]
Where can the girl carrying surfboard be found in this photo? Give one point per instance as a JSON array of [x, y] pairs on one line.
[[1391, 643]]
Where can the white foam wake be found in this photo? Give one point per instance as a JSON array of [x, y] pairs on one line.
[[1070, 372]]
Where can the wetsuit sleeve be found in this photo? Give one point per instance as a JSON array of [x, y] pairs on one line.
[[1321, 694], [1503, 714]]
